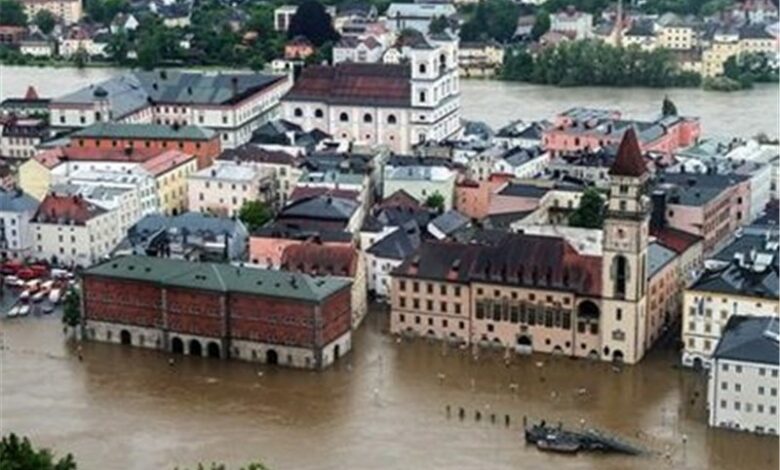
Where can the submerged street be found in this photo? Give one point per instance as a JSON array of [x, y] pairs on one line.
[[383, 405]]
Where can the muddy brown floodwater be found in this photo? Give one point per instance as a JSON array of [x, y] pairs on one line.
[[383, 406]]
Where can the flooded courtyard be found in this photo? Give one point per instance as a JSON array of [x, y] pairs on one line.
[[383, 406]]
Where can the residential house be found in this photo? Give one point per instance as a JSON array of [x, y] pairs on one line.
[[298, 48], [19, 137], [67, 11], [574, 23], [191, 235], [480, 59], [387, 253], [421, 178], [16, 210], [359, 50], [285, 168], [224, 188], [70, 230], [417, 16], [37, 45], [743, 381]]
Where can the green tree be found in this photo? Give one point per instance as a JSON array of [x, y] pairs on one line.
[[71, 308], [157, 44], [668, 108], [45, 21], [541, 24], [313, 22], [731, 68], [438, 25], [435, 201], [12, 13], [492, 19], [118, 47], [590, 213], [18, 454], [80, 58], [518, 65], [254, 214]]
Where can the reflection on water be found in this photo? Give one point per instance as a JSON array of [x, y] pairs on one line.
[[383, 406]]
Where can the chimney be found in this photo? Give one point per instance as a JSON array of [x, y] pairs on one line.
[[234, 84]]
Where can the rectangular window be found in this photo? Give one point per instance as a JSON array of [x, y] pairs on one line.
[[416, 304], [457, 291], [443, 289], [444, 307], [429, 305], [430, 288], [457, 308], [402, 302], [402, 285], [415, 287]]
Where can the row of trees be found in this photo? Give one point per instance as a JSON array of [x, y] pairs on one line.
[[12, 14], [595, 63]]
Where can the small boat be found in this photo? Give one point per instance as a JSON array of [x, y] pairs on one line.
[[13, 312], [39, 296], [24, 310], [54, 295]]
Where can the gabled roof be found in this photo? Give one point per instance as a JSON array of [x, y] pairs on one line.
[[17, 201], [317, 259], [749, 339], [399, 244], [629, 160], [66, 210], [449, 222], [254, 154], [347, 83], [321, 208]]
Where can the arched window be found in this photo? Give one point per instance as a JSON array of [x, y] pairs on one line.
[[391, 119], [620, 274], [298, 112], [368, 118], [318, 113], [442, 61], [423, 68], [343, 117]]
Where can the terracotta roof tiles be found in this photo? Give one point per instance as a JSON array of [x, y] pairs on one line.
[[629, 160]]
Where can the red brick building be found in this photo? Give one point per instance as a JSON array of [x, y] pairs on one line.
[[199, 141], [218, 310]]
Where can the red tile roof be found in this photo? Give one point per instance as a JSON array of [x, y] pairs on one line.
[[53, 157], [400, 198], [676, 240], [364, 84], [31, 93], [317, 259], [629, 160], [65, 210], [166, 161]]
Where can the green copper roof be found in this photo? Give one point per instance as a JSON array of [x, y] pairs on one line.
[[112, 130], [220, 277]]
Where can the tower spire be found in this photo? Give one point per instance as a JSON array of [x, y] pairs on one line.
[[629, 160]]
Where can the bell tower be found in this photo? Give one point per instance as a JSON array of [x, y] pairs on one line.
[[624, 264]]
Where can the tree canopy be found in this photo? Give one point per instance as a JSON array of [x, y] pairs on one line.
[[435, 201], [254, 214], [18, 454], [590, 213], [668, 108], [492, 19], [104, 11], [438, 25], [71, 312], [12, 13], [314, 23], [541, 24], [591, 62], [45, 21]]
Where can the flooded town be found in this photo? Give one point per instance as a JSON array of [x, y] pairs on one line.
[[440, 234]]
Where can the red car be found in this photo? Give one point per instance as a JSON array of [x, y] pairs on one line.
[[26, 274], [11, 267]]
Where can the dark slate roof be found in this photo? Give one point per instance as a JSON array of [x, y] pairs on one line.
[[296, 231], [629, 160], [533, 130], [175, 86], [737, 280], [17, 201], [354, 84], [523, 190], [252, 154], [321, 208], [220, 277], [399, 244], [641, 28], [504, 219], [440, 261], [750, 239], [194, 223], [749, 339], [450, 221], [755, 31], [658, 256], [696, 189]]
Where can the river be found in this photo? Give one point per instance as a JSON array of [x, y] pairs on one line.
[[383, 405], [737, 114]]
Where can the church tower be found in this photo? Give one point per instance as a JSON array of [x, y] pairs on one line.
[[624, 264]]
